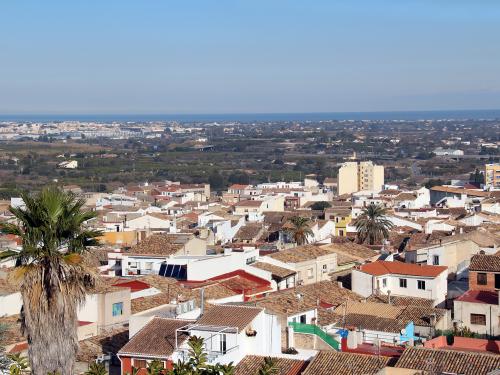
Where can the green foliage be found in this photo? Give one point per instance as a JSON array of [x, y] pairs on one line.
[[216, 181], [269, 367], [320, 206], [372, 225], [197, 362], [433, 182], [52, 274], [96, 369], [19, 364], [477, 177], [299, 229]]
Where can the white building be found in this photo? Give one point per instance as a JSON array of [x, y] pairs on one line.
[[401, 279]]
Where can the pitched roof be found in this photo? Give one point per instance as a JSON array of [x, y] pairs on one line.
[[229, 316], [249, 232], [160, 244], [479, 296], [248, 203], [351, 249], [342, 363], [399, 268], [455, 190], [251, 365], [157, 338], [109, 342], [380, 310], [449, 361], [306, 297], [300, 254], [276, 271], [485, 263]]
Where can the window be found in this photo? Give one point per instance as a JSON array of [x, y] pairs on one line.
[[341, 232], [148, 266], [303, 319], [140, 363], [497, 281], [435, 260], [223, 343], [478, 319], [325, 268], [482, 278], [402, 283], [118, 309], [384, 283], [421, 284], [310, 273], [250, 260]]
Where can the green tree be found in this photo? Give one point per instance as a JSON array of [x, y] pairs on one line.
[[96, 369], [197, 362], [216, 180], [320, 206], [52, 276], [477, 177], [269, 367], [299, 229], [372, 225], [19, 364]]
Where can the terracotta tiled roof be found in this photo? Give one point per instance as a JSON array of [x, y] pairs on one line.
[[485, 263], [300, 254], [172, 289], [363, 321], [402, 300], [380, 310], [351, 249], [249, 232], [479, 296], [229, 316], [399, 268], [340, 363], [157, 338], [160, 244], [454, 190], [109, 342], [251, 365], [248, 203], [306, 297], [276, 271], [448, 361]]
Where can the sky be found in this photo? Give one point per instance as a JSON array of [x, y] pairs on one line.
[[248, 56]]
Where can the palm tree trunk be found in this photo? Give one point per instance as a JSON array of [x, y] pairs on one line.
[[49, 323]]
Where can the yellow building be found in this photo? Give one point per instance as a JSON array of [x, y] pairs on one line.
[[492, 175], [355, 177], [341, 217]]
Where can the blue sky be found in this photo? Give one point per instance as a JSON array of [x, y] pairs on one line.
[[222, 56]]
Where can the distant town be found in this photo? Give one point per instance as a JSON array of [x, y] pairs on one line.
[[330, 247]]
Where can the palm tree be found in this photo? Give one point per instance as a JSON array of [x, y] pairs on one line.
[[373, 225], [269, 367], [299, 229], [52, 276]]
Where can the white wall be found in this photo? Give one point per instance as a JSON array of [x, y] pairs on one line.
[[10, 304], [89, 311], [362, 283]]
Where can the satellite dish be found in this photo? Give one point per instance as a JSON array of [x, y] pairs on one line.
[[403, 332]]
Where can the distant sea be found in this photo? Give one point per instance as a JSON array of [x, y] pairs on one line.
[[256, 117]]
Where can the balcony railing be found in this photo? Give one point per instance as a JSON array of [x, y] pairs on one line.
[[312, 329]]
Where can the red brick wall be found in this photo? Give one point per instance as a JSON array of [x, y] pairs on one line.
[[127, 366], [490, 281]]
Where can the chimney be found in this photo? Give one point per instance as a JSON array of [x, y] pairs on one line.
[[389, 297]]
